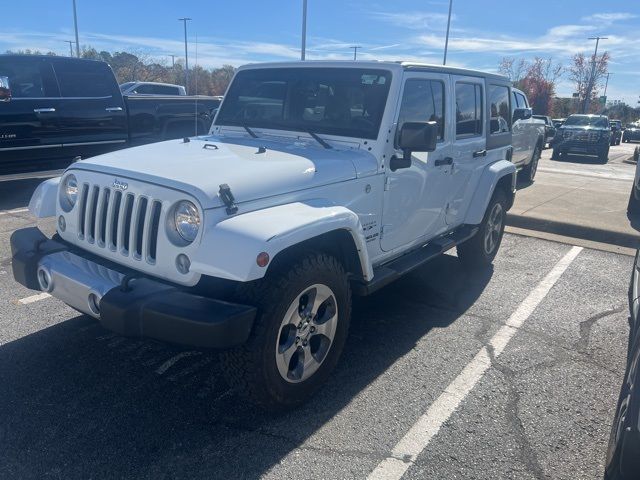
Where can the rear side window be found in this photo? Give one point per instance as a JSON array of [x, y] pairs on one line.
[[29, 78], [423, 101], [468, 110], [500, 120], [85, 79]]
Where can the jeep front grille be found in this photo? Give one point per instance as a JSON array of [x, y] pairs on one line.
[[119, 221]]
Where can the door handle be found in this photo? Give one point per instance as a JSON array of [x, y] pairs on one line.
[[443, 161], [113, 109], [44, 110], [480, 153]]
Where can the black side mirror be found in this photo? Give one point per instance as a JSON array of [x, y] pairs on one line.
[[414, 137], [5, 91], [522, 114]]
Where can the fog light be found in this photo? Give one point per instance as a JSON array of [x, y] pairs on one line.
[[183, 264], [44, 280], [62, 223], [94, 304]]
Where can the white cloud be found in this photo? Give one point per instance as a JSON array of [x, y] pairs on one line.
[[414, 20], [609, 17]]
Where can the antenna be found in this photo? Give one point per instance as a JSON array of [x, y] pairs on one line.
[[196, 87]]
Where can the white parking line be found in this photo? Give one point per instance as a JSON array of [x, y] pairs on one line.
[[169, 363], [34, 298], [406, 451], [16, 210]]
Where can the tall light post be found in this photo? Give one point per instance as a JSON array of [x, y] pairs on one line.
[[355, 51], [303, 47], [173, 61], [607, 84], [70, 42], [592, 77], [186, 54], [446, 40], [75, 26]]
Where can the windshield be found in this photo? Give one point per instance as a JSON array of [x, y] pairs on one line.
[[586, 121], [336, 101]]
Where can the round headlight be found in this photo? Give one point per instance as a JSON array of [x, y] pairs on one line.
[[187, 220], [69, 192]]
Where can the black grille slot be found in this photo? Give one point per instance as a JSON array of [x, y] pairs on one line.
[[155, 225], [82, 210], [93, 206], [139, 227], [117, 201], [103, 216], [128, 212]]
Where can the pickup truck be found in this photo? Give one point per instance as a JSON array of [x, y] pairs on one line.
[[317, 181], [53, 109], [528, 137], [549, 128]]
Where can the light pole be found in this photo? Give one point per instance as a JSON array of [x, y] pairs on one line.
[[606, 84], [75, 26], [446, 40], [186, 55], [303, 47], [593, 73], [173, 61], [70, 42], [355, 51]]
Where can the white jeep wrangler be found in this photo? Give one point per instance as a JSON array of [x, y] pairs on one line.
[[318, 180]]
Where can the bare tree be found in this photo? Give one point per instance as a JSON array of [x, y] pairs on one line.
[[587, 76]]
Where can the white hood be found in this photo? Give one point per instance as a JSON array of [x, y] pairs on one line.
[[200, 166]]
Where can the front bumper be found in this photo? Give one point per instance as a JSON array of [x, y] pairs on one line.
[[572, 146], [123, 302]]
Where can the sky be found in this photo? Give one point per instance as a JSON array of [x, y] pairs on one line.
[[248, 31]]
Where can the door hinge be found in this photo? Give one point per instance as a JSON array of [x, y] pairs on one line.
[[383, 228], [387, 184]]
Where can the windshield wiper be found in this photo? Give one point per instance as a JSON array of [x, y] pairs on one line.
[[319, 140], [249, 131]]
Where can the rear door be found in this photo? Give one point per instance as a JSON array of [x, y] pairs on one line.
[[92, 112], [469, 146], [29, 121]]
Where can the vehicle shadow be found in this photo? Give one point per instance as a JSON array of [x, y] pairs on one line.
[[17, 193], [78, 402], [577, 158]]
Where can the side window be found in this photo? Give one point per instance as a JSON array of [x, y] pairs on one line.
[[85, 79], [29, 79], [522, 101], [423, 101], [468, 110], [144, 89], [165, 90], [500, 121], [515, 101]]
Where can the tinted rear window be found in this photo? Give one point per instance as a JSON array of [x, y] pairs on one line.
[[85, 79], [29, 77]]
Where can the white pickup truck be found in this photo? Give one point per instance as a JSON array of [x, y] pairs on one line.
[[317, 181]]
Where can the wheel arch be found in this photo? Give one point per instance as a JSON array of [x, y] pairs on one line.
[[498, 175]]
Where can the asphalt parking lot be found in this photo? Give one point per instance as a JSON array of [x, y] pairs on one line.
[[511, 373]]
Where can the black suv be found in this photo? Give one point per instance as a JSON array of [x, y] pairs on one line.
[[631, 133], [616, 132], [583, 134]]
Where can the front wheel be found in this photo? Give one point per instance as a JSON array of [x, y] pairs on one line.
[[480, 250], [304, 310], [529, 171], [603, 156]]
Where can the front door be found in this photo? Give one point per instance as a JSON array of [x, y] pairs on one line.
[[415, 197], [29, 121]]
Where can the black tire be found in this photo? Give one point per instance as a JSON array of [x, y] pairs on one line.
[[555, 155], [604, 155], [475, 252], [529, 171], [252, 369]]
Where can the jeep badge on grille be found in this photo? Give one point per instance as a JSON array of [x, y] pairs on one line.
[[118, 185]]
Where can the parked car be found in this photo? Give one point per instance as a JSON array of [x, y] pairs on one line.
[[584, 134], [549, 128], [631, 133], [151, 88], [558, 122], [58, 108], [623, 452], [616, 131], [528, 137], [318, 180]]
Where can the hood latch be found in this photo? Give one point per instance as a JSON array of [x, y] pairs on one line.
[[228, 199]]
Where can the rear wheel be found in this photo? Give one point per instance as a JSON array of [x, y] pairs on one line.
[[303, 318], [480, 250]]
